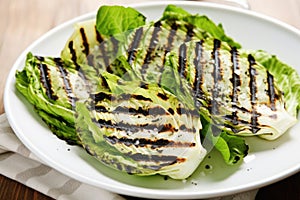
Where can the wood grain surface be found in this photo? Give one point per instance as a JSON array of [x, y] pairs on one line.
[[23, 21]]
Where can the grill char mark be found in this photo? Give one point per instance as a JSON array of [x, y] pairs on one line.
[[66, 81], [271, 91], [73, 54], [190, 32], [184, 111], [182, 60], [162, 96], [170, 39], [102, 96], [103, 81], [154, 111], [134, 45], [98, 97], [198, 80], [216, 77], [167, 160], [98, 36], [102, 48], [153, 43], [115, 43], [74, 59], [135, 127], [236, 82], [142, 142], [85, 43], [46, 81], [141, 97], [253, 91]]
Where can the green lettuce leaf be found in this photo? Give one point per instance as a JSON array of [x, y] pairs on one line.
[[112, 20], [61, 128], [232, 148], [28, 82], [50, 100]]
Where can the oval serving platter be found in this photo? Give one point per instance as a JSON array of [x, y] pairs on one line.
[[266, 163]]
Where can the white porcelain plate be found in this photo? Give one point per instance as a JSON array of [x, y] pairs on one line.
[[266, 163]]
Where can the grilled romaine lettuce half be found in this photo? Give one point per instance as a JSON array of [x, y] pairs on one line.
[[233, 90], [236, 92], [49, 85], [141, 129], [98, 44]]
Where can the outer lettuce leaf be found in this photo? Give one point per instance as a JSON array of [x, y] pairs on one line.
[[28, 82], [61, 128], [112, 20], [57, 113]]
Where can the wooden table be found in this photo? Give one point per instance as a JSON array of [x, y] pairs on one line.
[[23, 21]]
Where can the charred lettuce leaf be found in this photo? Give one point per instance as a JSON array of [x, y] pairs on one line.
[[50, 87], [288, 79], [141, 129]]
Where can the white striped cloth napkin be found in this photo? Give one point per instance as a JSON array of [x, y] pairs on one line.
[[18, 163]]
